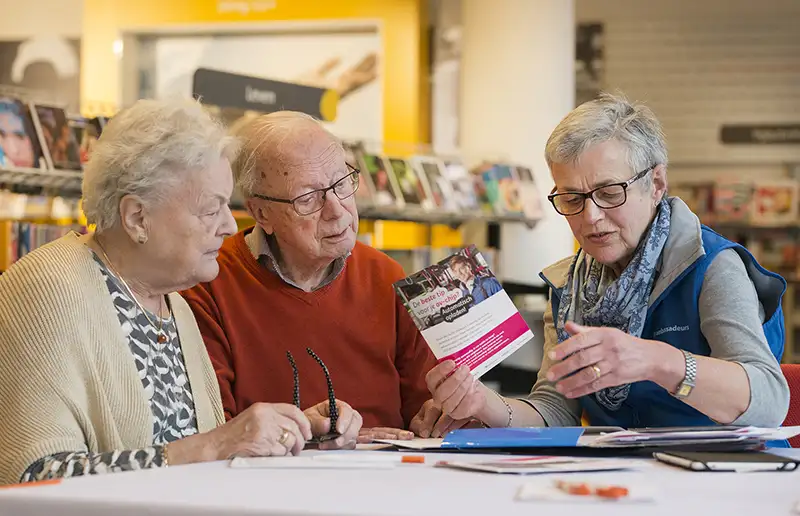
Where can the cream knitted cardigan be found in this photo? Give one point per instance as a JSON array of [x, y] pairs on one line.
[[67, 378]]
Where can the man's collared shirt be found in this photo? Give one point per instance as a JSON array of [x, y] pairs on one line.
[[265, 248]]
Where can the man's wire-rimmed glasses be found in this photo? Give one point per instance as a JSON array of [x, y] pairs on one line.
[[333, 409], [604, 197], [313, 201]]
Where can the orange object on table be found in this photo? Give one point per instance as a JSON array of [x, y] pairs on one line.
[[52, 481], [614, 492]]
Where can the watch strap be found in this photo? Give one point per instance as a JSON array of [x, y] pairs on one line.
[[690, 376]]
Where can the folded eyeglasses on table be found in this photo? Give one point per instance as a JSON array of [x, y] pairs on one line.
[[334, 410]]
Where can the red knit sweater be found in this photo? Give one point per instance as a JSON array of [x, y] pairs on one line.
[[249, 318]]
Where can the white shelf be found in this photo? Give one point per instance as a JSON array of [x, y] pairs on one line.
[[61, 182]]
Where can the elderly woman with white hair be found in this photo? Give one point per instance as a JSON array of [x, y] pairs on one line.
[[103, 367], [657, 320]]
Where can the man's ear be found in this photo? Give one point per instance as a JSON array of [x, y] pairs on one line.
[[659, 182], [260, 215], [133, 217]]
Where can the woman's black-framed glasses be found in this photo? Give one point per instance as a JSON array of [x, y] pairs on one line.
[[605, 197], [314, 200], [332, 407]]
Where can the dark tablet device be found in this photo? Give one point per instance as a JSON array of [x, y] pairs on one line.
[[728, 461]]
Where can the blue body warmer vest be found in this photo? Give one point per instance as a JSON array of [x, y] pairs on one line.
[[674, 318]]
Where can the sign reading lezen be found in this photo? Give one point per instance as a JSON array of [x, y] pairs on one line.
[[231, 90]]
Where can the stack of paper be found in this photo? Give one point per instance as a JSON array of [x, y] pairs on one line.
[[699, 435], [544, 464], [510, 438]]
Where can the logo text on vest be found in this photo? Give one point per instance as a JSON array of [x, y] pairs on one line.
[[669, 329]]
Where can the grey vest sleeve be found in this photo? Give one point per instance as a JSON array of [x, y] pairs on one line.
[[554, 407], [731, 319]]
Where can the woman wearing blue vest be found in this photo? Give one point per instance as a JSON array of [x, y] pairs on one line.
[[657, 320]]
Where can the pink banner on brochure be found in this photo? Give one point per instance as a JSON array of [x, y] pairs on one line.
[[485, 348]]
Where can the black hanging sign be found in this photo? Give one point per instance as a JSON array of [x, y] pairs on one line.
[[765, 134], [231, 90]]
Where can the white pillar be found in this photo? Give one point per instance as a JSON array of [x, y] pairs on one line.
[[517, 83]]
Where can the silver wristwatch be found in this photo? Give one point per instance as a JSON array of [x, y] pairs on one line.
[[689, 378]]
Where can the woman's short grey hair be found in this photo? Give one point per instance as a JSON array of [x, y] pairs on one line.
[[609, 117], [147, 149], [261, 138]]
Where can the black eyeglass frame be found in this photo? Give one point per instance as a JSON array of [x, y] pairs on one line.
[[353, 172], [590, 194], [332, 407]]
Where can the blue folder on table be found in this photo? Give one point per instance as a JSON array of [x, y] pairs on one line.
[[475, 438]]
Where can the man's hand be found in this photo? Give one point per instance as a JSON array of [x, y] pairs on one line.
[[348, 425], [430, 422], [368, 435]]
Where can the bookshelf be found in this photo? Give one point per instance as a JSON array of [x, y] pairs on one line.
[[764, 217], [62, 183]]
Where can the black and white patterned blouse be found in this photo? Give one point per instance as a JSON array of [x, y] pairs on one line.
[[162, 371]]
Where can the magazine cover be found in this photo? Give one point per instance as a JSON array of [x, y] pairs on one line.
[[529, 193], [352, 154], [410, 185], [464, 193], [508, 191], [733, 200], [440, 191], [60, 148], [19, 146], [775, 202], [383, 182], [463, 312]]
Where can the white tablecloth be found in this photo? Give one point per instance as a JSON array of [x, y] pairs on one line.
[[215, 488]]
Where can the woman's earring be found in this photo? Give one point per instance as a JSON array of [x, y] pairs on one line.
[[142, 239]]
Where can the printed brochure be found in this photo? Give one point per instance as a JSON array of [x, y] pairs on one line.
[[463, 312]]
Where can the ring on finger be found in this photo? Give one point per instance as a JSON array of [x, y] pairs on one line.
[[597, 372], [284, 436]]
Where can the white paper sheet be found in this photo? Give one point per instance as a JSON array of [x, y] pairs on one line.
[[548, 491], [414, 444], [307, 463], [544, 465]]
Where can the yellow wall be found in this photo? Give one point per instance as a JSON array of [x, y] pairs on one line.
[[403, 26]]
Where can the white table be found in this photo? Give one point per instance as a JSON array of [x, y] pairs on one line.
[[214, 488]]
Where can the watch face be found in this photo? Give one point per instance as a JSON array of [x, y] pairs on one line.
[[684, 390]]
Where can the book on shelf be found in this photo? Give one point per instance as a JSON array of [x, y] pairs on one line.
[[465, 196], [385, 190], [45, 136], [60, 148], [463, 312], [20, 238], [22, 147], [411, 189], [528, 192], [440, 191]]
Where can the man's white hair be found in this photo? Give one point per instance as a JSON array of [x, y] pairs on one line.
[[147, 149], [261, 138], [609, 117]]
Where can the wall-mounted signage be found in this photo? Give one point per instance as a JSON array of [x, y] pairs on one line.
[[245, 7], [769, 134], [230, 90]]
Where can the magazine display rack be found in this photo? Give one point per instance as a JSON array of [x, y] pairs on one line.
[[49, 147], [432, 189], [41, 162]]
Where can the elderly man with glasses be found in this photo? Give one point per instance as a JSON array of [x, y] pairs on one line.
[[657, 320], [298, 288]]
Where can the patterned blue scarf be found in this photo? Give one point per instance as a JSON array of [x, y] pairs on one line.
[[593, 296]]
